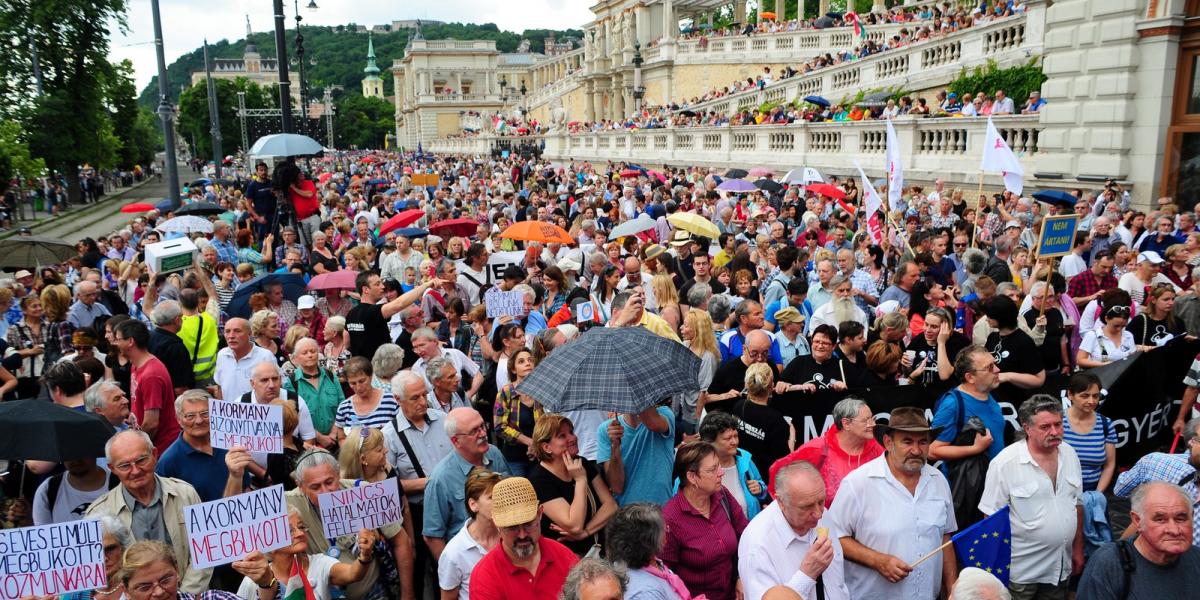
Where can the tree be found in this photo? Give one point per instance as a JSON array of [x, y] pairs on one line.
[[362, 122], [193, 112], [137, 145], [14, 155]]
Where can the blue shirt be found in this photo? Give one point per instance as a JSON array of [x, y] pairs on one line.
[[80, 315], [226, 251], [206, 472], [1090, 447], [445, 499], [947, 418], [732, 343], [805, 309], [648, 458]]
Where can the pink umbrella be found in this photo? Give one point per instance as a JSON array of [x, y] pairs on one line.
[[323, 177], [337, 280], [761, 172], [659, 176]]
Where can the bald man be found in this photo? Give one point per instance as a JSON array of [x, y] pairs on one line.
[[236, 362]]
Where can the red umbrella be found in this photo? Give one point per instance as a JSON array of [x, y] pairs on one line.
[[401, 219], [137, 207], [827, 190], [631, 173], [336, 280], [462, 227], [323, 177]]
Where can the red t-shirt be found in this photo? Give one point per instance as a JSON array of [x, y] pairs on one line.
[[305, 207], [152, 390], [496, 578]]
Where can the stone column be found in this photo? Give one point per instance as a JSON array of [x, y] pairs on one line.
[[781, 9], [618, 97], [878, 7], [670, 24], [739, 11], [824, 7], [589, 105]]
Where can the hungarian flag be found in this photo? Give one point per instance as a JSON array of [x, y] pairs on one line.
[[298, 587], [860, 32]]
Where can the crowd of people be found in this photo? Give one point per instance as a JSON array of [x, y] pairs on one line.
[[709, 493]]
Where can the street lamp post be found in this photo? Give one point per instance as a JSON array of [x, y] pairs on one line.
[[304, 124], [639, 91], [285, 85], [214, 119], [523, 108], [165, 112]]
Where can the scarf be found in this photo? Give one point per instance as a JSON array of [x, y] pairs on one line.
[[660, 570]]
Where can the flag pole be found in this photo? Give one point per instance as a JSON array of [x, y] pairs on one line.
[[935, 552], [979, 210]]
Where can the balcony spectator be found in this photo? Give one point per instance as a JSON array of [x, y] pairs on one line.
[[1034, 105]]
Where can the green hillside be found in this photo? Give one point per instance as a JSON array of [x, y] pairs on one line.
[[337, 55]]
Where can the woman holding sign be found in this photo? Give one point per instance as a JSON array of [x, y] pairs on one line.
[[292, 565]]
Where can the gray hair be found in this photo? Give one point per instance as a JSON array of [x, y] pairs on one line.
[[433, 369], [718, 309], [743, 309], [977, 584], [193, 396], [974, 260], [619, 300], [1191, 430], [1137, 501], [635, 534], [425, 333], [401, 380], [259, 320], [699, 294], [94, 398], [312, 460], [588, 570], [134, 432], [387, 360], [596, 258], [846, 408], [525, 289], [110, 525], [838, 279], [165, 312], [337, 322], [1037, 289], [784, 476], [1038, 403], [1004, 244], [1004, 286]]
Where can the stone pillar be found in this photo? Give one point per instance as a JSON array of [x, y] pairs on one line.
[[670, 24], [824, 7], [739, 11], [618, 97], [589, 104], [781, 9], [878, 7]]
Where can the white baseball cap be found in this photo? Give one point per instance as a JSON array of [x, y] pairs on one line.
[[306, 301]]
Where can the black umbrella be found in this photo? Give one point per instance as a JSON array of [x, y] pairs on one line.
[[201, 209], [823, 23], [33, 250], [736, 173], [40, 430], [688, 113], [769, 185], [1056, 197]]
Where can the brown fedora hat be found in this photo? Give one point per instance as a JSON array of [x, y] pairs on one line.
[[910, 419]]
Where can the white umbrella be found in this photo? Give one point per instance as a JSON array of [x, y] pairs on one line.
[[632, 227], [285, 144], [186, 224]]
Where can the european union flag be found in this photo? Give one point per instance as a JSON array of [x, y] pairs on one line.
[[986, 545]]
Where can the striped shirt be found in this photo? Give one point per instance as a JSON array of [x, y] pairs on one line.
[[1090, 447], [382, 415]]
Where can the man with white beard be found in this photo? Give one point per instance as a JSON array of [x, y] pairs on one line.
[[841, 308]]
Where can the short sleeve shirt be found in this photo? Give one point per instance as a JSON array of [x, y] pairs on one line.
[[648, 457], [368, 329]]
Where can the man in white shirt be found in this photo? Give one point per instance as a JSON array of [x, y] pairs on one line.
[[635, 277], [1073, 263], [473, 273], [1040, 480], [1003, 104], [789, 543], [236, 362], [892, 511]]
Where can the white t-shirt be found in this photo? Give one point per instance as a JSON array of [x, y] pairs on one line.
[[70, 504], [1072, 265], [459, 558], [319, 566], [1137, 290], [1094, 342], [733, 483]]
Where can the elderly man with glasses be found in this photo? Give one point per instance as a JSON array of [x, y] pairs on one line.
[[192, 457], [148, 504]]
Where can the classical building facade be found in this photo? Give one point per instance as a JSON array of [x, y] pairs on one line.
[[439, 81]]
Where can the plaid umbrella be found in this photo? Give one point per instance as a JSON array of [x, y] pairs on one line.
[[623, 369]]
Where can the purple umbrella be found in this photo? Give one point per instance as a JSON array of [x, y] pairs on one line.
[[736, 185]]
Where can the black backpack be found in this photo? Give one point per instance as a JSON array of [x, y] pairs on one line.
[[56, 481]]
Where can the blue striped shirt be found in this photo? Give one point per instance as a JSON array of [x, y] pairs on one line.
[[382, 415], [1090, 447]]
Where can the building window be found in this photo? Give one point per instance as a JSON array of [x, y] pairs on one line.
[[1193, 88]]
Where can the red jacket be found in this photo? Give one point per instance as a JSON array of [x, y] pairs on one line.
[[828, 457]]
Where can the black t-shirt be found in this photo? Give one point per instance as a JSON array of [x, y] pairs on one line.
[[368, 330], [404, 340], [924, 352], [729, 376], [1153, 332], [1015, 353], [1051, 350], [174, 355], [330, 263], [805, 369], [716, 286], [549, 487], [762, 431]]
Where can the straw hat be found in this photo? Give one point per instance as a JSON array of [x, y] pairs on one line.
[[514, 502]]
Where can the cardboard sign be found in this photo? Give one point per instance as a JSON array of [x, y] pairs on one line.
[[365, 506], [225, 530], [500, 303], [250, 425], [1058, 235], [51, 559]]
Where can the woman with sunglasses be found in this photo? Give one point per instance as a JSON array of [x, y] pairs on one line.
[[1109, 342], [321, 571]]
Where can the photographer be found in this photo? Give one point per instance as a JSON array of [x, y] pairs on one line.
[[302, 209]]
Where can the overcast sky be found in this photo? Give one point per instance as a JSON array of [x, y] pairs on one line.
[[187, 22]]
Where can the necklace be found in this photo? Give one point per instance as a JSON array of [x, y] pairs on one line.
[[109, 591]]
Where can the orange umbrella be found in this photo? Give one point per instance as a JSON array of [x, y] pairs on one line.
[[537, 231], [768, 15]]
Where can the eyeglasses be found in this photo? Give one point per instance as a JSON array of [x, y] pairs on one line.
[[1117, 311], [201, 416], [991, 367], [167, 583], [140, 462], [474, 431]]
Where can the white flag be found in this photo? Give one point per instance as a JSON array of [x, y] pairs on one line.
[[895, 170], [811, 175], [872, 203], [997, 156]]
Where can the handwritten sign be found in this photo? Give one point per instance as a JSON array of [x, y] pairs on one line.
[[51, 559], [366, 506], [225, 530], [250, 425], [1058, 235], [500, 303]]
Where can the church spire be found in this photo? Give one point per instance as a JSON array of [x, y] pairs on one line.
[[371, 69]]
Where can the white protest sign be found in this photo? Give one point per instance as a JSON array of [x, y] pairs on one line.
[[250, 425], [51, 559], [497, 263], [225, 530], [500, 303], [584, 312], [365, 506]]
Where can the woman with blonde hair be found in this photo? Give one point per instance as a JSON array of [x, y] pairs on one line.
[[56, 301], [768, 436], [294, 334], [264, 328], [667, 298], [697, 334], [363, 455]]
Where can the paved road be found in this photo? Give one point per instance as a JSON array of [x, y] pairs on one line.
[[111, 219]]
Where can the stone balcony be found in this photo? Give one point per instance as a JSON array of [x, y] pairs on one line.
[[790, 46]]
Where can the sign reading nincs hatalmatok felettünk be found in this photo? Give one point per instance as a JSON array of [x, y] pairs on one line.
[[225, 530], [250, 425], [364, 506], [51, 559]]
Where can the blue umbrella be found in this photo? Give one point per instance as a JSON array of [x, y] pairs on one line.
[[377, 181], [390, 191], [412, 232], [819, 101], [239, 305], [163, 205], [1057, 197], [736, 185], [202, 181]]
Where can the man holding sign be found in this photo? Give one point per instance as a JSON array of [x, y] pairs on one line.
[[151, 506]]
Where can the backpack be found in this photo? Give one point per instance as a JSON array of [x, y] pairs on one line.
[[55, 482]]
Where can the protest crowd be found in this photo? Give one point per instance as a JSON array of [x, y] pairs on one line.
[[396, 375]]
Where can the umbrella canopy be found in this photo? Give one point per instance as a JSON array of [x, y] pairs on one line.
[[632, 227], [323, 177], [769, 185], [687, 113], [336, 280], [768, 15], [163, 205], [462, 227], [823, 23], [33, 250], [200, 209], [411, 232], [401, 219], [761, 172], [537, 231], [819, 101], [694, 223], [827, 190], [736, 185], [137, 207], [239, 305], [1056, 197], [631, 173], [622, 369], [736, 173], [38, 430], [877, 97], [186, 224], [285, 144]]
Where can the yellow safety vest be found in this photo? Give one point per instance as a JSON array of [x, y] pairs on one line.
[[203, 350]]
